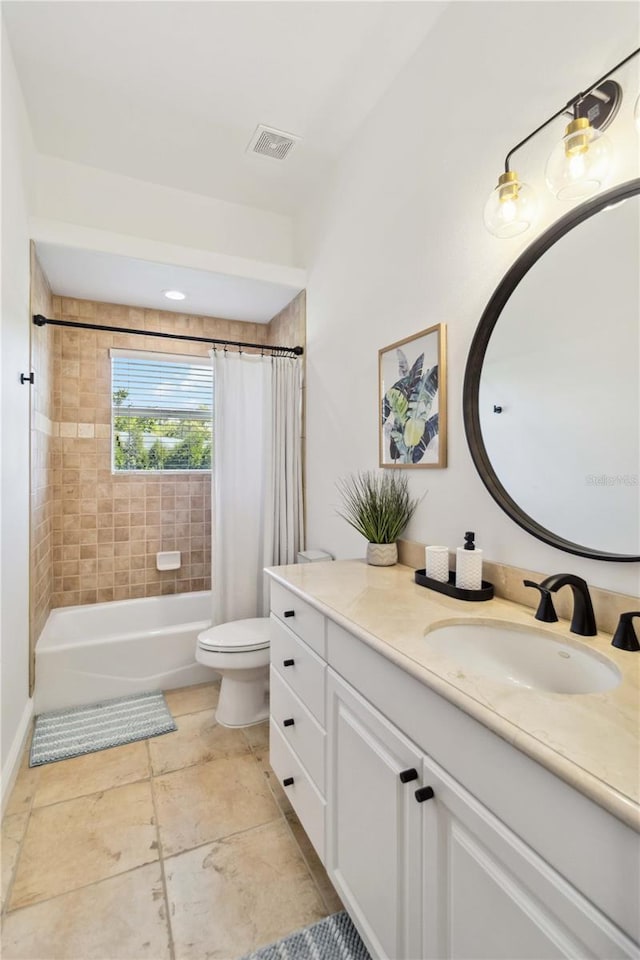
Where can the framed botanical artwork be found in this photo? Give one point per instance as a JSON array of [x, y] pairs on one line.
[[413, 400]]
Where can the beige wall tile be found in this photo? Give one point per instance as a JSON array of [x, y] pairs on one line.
[[161, 512]]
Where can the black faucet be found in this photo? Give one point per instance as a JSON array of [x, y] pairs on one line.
[[583, 621], [625, 636], [546, 611]]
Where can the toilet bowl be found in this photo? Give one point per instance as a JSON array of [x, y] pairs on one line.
[[239, 651]]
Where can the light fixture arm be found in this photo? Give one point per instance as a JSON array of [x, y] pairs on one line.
[[570, 106]]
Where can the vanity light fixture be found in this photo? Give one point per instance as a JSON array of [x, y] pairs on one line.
[[578, 166], [174, 295], [511, 206]]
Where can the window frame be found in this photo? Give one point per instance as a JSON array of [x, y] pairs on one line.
[[116, 353]]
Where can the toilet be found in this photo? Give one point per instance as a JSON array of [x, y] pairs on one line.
[[239, 651]]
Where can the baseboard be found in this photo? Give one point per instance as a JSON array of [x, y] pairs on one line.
[[12, 763]]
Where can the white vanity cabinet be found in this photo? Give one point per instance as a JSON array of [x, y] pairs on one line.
[[441, 838], [374, 824], [297, 708], [425, 870]]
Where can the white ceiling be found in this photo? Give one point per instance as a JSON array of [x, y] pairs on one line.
[[171, 92], [109, 278]]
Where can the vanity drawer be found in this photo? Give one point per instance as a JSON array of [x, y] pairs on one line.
[[304, 797], [304, 735], [303, 619], [306, 675]]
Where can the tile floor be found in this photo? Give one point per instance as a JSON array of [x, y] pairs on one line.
[[182, 847]]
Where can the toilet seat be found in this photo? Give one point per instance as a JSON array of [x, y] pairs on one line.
[[238, 636]]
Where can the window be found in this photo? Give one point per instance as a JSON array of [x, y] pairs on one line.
[[162, 411]]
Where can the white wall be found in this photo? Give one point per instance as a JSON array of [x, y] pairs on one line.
[[397, 244], [14, 419], [88, 197]]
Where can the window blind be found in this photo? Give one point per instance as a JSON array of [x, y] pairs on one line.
[[162, 411]]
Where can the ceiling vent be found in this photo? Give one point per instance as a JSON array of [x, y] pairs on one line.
[[272, 143]]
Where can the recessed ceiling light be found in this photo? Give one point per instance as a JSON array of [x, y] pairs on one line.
[[174, 294]]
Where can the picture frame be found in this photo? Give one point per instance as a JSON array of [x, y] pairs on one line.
[[412, 401]]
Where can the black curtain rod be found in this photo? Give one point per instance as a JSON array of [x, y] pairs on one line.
[[41, 321]]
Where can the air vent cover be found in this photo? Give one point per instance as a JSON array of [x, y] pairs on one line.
[[271, 143]]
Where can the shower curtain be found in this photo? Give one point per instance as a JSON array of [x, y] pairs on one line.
[[257, 515]]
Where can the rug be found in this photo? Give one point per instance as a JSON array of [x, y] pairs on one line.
[[62, 734], [334, 938]]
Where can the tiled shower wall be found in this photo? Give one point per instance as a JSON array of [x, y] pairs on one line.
[[42, 442], [107, 528]]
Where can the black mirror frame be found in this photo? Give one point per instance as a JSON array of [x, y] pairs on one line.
[[475, 361]]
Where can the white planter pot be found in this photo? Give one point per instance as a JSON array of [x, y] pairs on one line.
[[382, 554]]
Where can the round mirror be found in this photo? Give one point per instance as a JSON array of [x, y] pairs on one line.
[[552, 385]]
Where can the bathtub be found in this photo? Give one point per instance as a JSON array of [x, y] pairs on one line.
[[102, 650]]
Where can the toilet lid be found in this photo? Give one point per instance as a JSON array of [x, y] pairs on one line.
[[236, 636]]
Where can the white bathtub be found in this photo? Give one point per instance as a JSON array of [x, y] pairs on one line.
[[102, 650]]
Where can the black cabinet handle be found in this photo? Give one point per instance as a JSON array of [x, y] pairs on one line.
[[288, 723], [406, 776], [287, 782], [288, 663], [289, 613], [424, 793]]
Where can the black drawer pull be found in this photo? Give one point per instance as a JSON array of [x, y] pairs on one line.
[[289, 613], [424, 793], [288, 723], [287, 782], [406, 776], [288, 663]]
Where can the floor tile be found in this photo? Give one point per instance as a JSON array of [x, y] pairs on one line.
[[24, 788], [198, 739], [332, 901], [192, 699], [13, 828], [122, 918], [229, 897], [211, 800], [91, 773], [258, 736], [275, 786], [77, 842]]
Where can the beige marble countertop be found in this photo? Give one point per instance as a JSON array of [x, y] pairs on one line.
[[589, 740]]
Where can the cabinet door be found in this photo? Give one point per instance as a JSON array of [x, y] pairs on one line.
[[373, 823], [489, 896]]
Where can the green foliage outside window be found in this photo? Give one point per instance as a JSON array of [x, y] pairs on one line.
[[159, 443]]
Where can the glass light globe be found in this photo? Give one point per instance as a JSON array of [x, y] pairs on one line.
[[636, 114], [580, 163], [511, 207]]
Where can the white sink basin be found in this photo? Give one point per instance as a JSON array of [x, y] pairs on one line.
[[523, 657]]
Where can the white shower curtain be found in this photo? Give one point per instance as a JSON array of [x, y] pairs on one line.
[[257, 515]]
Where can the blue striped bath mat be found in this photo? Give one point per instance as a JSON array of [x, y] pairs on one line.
[[334, 938], [71, 733]]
